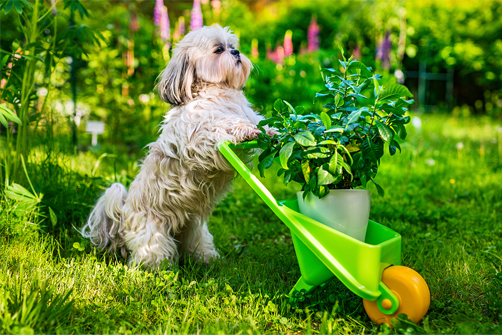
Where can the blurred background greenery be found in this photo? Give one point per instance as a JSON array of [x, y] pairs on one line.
[[447, 52]]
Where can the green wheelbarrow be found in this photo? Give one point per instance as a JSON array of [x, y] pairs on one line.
[[371, 269]]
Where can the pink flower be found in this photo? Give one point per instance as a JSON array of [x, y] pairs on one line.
[[254, 48], [277, 55], [357, 53], [216, 6], [134, 23], [182, 25], [165, 31], [313, 35], [196, 16], [288, 43]]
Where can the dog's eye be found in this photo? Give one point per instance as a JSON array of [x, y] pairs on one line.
[[219, 50]]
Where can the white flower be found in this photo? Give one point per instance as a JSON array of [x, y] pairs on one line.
[[430, 162], [416, 122], [144, 98], [459, 146]]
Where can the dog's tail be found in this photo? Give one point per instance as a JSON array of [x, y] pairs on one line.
[[105, 224]]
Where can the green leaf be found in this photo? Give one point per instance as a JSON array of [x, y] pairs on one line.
[[306, 170], [324, 177], [4, 121], [372, 150], [338, 100], [363, 180], [327, 142], [4, 61], [401, 131], [265, 164], [402, 102], [354, 116], [380, 190], [18, 7], [7, 6], [278, 104], [54, 218], [384, 130], [25, 200], [392, 150], [394, 91], [316, 155], [9, 115], [335, 130], [333, 164], [326, 120], [341, 146], [356, 65], [396, 144], [290, 107], [324, 93], [285, 153], [305, 138]]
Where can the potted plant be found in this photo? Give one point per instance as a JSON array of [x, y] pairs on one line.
[[334, 153]]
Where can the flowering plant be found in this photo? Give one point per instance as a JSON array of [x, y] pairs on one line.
[[341, 146]]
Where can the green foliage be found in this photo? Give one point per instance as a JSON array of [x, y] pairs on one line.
[[340, 147], [35, 49], [34, 308]]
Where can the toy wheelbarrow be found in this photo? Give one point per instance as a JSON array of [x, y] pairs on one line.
[[371, 269]]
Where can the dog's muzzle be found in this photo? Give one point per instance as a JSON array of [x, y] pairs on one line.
[[236, 54]]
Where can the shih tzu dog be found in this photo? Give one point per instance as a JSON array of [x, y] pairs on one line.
[[184, 176]]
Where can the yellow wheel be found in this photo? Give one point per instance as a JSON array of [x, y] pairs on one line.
[[411, 290]]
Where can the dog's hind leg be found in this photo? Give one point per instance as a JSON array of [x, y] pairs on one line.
[[150, 243], [197, 240]]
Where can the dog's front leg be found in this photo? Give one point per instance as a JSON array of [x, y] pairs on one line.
[[235, 130], [197, 240]]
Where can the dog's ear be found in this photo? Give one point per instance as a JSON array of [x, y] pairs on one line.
[[175, 86]]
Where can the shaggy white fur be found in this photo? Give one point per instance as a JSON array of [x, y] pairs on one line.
[[184, 176]]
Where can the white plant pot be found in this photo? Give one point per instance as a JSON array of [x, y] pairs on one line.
[[347, 211]]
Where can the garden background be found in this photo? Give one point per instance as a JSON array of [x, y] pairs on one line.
[[65, 63]]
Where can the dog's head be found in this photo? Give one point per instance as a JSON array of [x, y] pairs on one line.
[[207, 55]]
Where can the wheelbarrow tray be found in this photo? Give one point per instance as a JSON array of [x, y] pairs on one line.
[[324, 252]]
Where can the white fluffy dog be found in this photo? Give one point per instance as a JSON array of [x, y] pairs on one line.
[[184, 175]]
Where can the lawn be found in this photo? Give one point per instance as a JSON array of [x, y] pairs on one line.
[[443, 195]]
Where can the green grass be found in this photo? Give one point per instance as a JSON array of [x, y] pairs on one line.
[[445, 202]]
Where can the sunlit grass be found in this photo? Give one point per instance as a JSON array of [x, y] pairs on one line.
[[444, 199]]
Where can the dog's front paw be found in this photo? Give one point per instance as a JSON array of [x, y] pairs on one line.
[[272, 131], [245, 132]]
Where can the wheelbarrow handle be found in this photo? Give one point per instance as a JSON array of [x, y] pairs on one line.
[[226, 150], [246, 145]]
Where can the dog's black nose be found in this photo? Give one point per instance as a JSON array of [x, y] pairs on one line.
[[235, 52]]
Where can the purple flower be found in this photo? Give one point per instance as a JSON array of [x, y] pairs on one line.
[[383, 52], [165, 31], [313, 35], [157, 11], [196, 17]]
